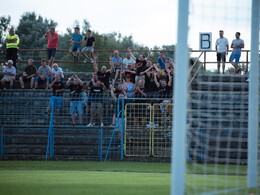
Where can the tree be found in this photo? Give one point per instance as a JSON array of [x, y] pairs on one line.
[[4, 25]]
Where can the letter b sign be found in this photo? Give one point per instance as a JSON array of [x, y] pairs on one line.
[[205, 41]]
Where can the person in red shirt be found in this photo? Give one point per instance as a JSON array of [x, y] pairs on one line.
[[53, 39]]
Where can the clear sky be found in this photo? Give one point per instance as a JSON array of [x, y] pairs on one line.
[[150, 22]]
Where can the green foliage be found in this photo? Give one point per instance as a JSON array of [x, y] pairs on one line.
[[4, 25]]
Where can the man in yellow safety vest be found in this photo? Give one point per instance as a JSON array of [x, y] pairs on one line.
[[12, 40]]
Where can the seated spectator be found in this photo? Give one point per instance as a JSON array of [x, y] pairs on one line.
[[89, 43], [128, 61], [140, 64], [56, 99], [128, 86], [75, 95], [96, 102], [43, 74], [162, 60], [56, 70], [117, 63], [104, 74], [76, 42], [139, 109], [28, 74], [116, 94], [148, 72], [129, 72], [9, 74]]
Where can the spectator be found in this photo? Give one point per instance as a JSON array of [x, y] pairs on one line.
[[29, 74], [56, 99], [75, 95], [148, 72], [222, 50], [53, 39], [96, 102], [237, 44], [43, 74], [56, 70], [140, 64], [117, 63], [76, 42], [165, 89], [129, 72], [128, 86], [116, 94], [12, 40], [128, 61], [89, 43], [9, 74], [162, 60], [139, 109], [104, 74]]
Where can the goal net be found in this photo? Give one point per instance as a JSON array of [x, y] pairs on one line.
[[218, 138]]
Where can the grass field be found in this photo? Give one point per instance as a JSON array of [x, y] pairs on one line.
[[59, 178]]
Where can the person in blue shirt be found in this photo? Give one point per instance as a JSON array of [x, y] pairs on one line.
[[237, 44], [162, 61], [76, 42]]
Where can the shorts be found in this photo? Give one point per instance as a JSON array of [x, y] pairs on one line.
[[235, 56], [221, 56], [86, 48], [76, 105], [38, 79], [57, 101], [51, 52], [75, 48], [25, 79], [96, 107], [8, 78], [52, 79]]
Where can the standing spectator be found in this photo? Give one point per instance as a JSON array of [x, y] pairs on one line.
[[89, 43], [96, 102], [140, 64], [75, 95], [53, 39], [29, 74], [139, 109], [129, 72], [76, 42], [128, 61], [43, 74], [9, 74], [12, 40], [56, 70], [162, 61], [222, 50], [237, 44], [104, 74], [56, 98], [117, 63], [165, 88]]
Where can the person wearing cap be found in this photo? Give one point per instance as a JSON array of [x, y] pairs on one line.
[[222, 50], [76, 42], [9, 74], [53, 39], [12, 40]]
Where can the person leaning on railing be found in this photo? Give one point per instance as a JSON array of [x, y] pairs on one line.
[[56, 99], [75, 94], [43, 74], [9, 74]]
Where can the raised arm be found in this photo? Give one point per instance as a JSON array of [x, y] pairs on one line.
[[80, 81], [149, 52], [95, 66], [111, 64], [130, 52], [155, 80], [69, 80]]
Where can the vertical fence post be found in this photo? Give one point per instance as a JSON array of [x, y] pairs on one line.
[[122, 130], [205, 60]]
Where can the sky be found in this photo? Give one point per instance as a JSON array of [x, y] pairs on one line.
[[150, 22]]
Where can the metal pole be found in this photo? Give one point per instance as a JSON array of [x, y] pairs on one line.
[[180, 103], [252, 170]]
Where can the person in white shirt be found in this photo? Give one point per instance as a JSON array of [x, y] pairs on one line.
[[222, 50], [56, 70], [9, 74], [128, 60]]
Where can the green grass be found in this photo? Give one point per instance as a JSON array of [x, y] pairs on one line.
[[59, 178]]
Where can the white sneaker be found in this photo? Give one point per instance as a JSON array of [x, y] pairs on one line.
[[85, 61], [89, 125], [101, 125], [247, 80], [91, 60]]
